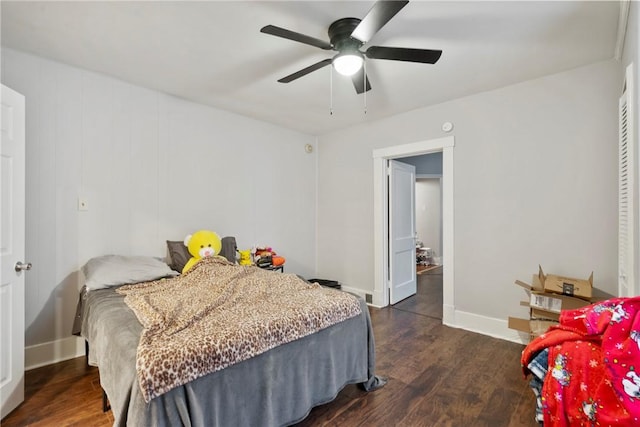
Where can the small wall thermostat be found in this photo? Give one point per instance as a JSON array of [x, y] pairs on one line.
[[447, 126]]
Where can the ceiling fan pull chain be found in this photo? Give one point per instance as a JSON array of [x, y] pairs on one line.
[[331, 91], [364, 84]]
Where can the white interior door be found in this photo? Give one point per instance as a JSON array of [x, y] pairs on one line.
[[402, 231], [12, 172]]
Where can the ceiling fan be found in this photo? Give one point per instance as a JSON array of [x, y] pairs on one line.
[[347, 36]]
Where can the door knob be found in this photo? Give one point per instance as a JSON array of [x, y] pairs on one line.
[[20, 266]]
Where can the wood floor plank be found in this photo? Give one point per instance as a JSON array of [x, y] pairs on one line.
[[438, 376]]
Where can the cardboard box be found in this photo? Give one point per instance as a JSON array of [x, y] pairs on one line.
[[544, 307], [544, 315], [597, 294], [533, 327], [548, 305], [554, 303], [566, 285], [536, 313]]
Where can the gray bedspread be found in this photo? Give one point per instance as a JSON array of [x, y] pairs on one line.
[[278, 387]]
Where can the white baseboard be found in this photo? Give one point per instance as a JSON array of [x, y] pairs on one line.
[[361, 294], [378, 298], [48, 353], [358, 292], [448, 315], [491, 326]]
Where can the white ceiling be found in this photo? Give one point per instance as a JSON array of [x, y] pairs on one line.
[[213, 52]]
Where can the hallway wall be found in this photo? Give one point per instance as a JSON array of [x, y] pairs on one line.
[[429, 214]]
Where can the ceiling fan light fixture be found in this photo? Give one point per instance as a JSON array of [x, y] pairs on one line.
[[348, 63]]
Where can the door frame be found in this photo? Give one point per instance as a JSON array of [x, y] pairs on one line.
[[380, 296]]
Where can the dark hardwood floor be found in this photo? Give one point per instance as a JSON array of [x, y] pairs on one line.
[[65, 394], [428, 299], [438, 376]]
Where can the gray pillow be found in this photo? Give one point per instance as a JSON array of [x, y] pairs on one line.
[[229, 249], [114, 270], [178, 255]]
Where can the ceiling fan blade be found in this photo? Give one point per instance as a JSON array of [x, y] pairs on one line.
[[360, 81], [426, 56], [376, 18], [305, 71], [296, 37]]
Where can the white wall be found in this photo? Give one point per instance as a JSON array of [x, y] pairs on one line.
[[153, 168], [428, 214], [535, 182]]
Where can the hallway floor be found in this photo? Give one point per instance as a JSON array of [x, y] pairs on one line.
[[428, 299]]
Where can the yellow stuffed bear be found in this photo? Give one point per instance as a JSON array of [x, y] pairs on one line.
[[201, 244]]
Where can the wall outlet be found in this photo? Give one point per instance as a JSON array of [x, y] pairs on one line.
[[83, 204], [368, 298]]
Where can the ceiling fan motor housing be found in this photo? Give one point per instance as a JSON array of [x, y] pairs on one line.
[[340, 34]]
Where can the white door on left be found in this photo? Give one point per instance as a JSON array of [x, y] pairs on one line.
[[12, 250]]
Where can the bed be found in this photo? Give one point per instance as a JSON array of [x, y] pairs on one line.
[[278, 386], [584, 371]]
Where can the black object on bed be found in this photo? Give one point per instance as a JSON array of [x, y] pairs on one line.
[[275, 388], [326, 282]]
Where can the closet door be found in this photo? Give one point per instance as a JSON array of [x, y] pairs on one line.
[[12, 249], [627, 197]]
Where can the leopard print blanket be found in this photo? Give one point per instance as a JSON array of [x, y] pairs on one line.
[[218, 314]]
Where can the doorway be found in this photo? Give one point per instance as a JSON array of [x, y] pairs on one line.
[[428, 195], [381, 244]]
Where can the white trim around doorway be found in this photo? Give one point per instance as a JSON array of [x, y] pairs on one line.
[[380, 218]]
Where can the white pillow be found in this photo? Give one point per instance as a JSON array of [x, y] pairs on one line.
[[114, 270]]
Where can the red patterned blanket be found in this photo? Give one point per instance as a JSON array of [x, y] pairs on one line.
[[594, 366]]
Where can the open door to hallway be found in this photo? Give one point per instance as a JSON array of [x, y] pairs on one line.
[[402, 231]]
